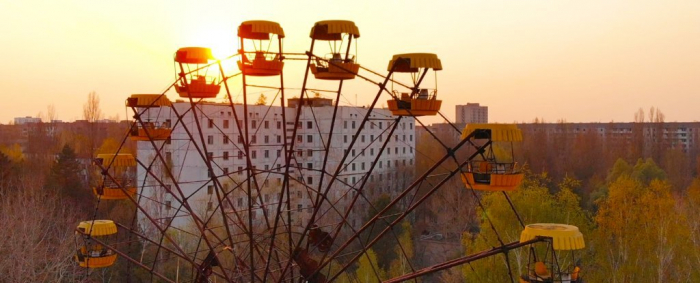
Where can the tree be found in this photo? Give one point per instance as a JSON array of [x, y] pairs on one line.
[[51, 113], [65, 177], [404, 250], [640, 234], [385, 246], [91, 109], [262, 100], [37, 235], [368, 269], [535, 204]]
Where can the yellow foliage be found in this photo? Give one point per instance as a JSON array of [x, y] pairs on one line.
[[369, 268], [640, 233], [13, 152]]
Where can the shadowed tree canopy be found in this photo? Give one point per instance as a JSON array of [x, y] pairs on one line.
[[65, 176]]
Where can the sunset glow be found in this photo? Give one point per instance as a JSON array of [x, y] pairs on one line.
[[592, 61]]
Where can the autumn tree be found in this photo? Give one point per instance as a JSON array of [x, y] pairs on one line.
[[262, 100], [640, 235], [535, 204], [368, 268]]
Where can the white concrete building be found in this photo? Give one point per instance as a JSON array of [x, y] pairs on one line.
[[222, 143], [471, 113]]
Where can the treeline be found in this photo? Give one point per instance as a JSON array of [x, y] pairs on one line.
[[46, 179], [640, 231], [634, 197]]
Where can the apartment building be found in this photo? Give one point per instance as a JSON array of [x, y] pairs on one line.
[[219, 141]]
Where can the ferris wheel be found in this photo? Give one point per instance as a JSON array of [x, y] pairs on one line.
[[242, 191]]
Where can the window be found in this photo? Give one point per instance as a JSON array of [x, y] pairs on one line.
[[168, 141], [211, 123], [266, 124], [210, 139], [371, 151], [240, 123], [225, 139], [279, 139], [310, 180], [299, 207], [254, 139], [309, 138], [310, 152], [210, 155], [279, 153], [410, 137], [362, 165], [167, 123], [309, 125], [240, 170], [353, 124], [279, 125], [309, 166], [267, 138], [267, 153], [225, 173], [363, 138], [253, 154], [225, 124], [299, 138], [410, 126], [225, 155], [396, 150], [240, 154], [253, 124], [345, 138], [380, 125], [353, 167], [210, 190], [345, 124], [168, 205], [240, 139]]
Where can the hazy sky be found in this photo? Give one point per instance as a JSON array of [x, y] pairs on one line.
[[582, 61]]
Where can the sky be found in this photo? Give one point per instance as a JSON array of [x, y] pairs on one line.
[[579, 61]]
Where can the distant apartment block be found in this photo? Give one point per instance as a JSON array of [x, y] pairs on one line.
[[472, 113], [684, 136], [26, 120], [266, 133]]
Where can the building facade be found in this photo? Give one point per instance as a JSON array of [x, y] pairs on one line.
[[471, 113], [271, 131]]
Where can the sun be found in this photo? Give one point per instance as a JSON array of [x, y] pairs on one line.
[[221, 42]]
